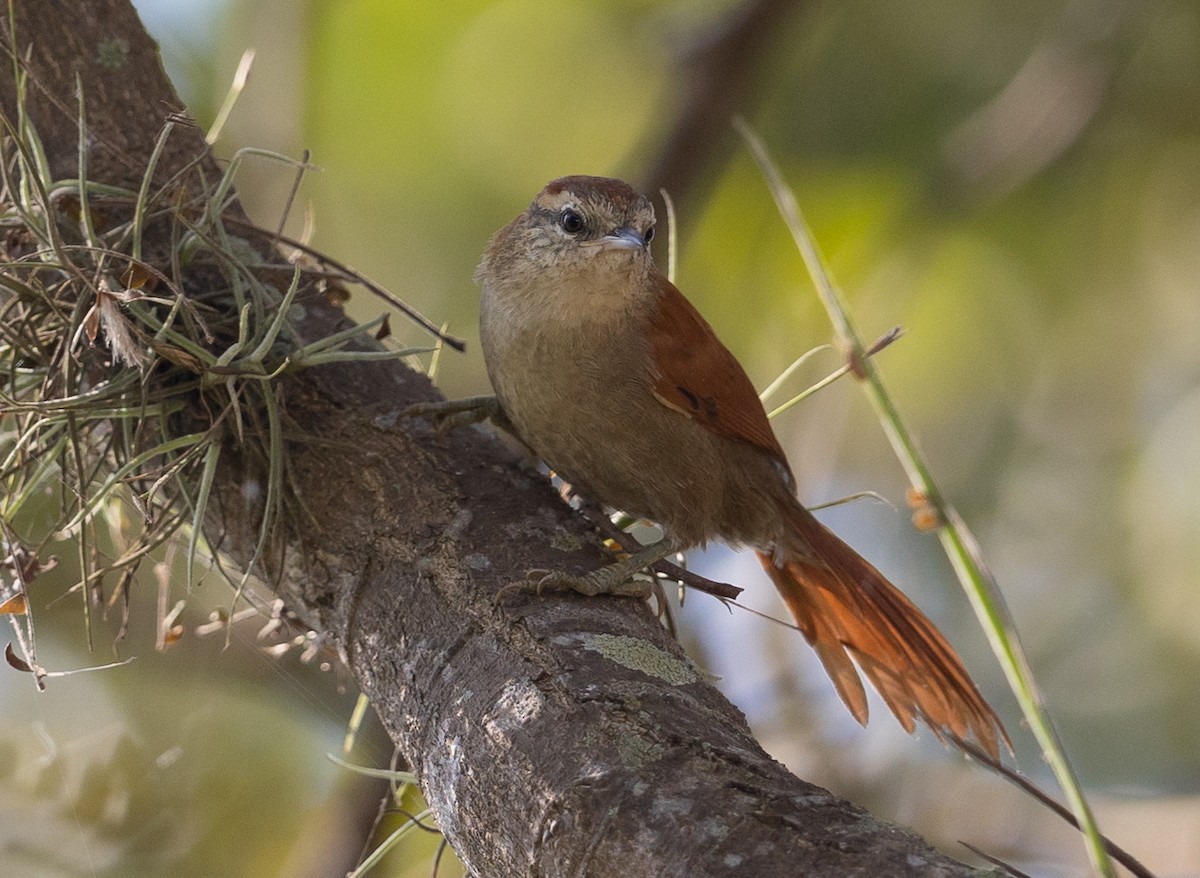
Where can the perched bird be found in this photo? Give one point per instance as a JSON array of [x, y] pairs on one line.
[[609, 375]]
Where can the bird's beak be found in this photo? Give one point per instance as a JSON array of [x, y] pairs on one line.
[[623, 239]]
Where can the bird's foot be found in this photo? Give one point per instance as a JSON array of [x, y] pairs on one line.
[[454, 413], [613, 579], [606, 580]]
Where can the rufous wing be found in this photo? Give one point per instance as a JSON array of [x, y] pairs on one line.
[[697, 376], [846, 609]]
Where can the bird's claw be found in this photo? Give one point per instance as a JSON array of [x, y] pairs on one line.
[[448, 415], [598, 582]]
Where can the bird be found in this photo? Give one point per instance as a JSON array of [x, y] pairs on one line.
[[606, 372]]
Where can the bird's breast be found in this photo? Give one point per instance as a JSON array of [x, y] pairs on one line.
[[579, 392], [578, 386]]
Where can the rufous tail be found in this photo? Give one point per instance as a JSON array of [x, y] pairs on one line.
[[847, 609]]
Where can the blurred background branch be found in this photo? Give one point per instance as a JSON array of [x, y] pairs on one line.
[[1046, 106], [718, 71]]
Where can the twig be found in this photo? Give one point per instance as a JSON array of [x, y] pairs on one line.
[[995, 861], [359, 278], [292, 192], [1026, 785], [437, 858]]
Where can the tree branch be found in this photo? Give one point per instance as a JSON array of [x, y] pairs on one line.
[[716, 71], [552, 735]]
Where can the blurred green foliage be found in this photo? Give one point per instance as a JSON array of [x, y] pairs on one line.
[[1017, 184]]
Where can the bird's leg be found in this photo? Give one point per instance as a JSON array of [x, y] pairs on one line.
[[451, 414], [615, 578]]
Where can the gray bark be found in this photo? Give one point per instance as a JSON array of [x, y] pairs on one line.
[[553, 735]]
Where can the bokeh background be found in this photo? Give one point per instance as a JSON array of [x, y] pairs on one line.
[[1017, 185]]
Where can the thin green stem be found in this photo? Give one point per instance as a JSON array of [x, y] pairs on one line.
[[404, 777], [672, 235], [787, 373], [806, 393], [957, 540], [398, 835], [231, 97], [139, 207]]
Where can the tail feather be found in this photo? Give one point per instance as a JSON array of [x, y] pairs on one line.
[[846, 610]]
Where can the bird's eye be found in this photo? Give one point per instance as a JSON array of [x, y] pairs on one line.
[[571, 222], [649, 236]]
